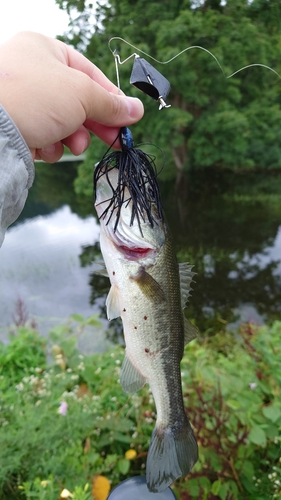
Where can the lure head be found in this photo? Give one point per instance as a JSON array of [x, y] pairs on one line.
[[126, 138]]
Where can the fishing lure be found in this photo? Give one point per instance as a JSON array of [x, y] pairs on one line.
[[137, 175], [146, 78]]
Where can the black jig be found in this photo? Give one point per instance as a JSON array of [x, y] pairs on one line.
[[137, 172]]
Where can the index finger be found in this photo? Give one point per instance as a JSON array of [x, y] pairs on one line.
[[77, 61]]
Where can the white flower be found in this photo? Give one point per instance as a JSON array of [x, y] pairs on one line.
[[63, 408], [252, 385]]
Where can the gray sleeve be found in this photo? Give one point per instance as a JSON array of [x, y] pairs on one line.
[[16, 172]]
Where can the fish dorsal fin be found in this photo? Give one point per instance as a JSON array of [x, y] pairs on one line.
[[130, 378], [99, 268], [112, 303], [190, 331], [148, 285], [186, 277]]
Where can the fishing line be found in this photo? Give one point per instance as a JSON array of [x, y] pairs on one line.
[[118, 60], [137, 173]]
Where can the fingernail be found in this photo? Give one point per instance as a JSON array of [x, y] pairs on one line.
[[86, 144], [49, 150], [135, 107]]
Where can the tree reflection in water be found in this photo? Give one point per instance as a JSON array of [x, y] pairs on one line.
[[227, 225]]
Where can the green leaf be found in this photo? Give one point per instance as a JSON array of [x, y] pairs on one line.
[[92, 457], [223, 492], [77, 317], [122, 438], [233, 404], [193, 487], [248, 469], [272, 431], [92, 321], [233, 488], [272, 412], [110, 460], [205, 483], [248, 483], [123, 465], [257, 436], [215, 460], [216, 486]]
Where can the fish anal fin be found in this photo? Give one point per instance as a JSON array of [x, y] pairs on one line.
[[131, 379], [186, 277], [172, 454], [190, 331], [112, 303], [148, 285]]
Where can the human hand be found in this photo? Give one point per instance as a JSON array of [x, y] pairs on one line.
[[55, 96]]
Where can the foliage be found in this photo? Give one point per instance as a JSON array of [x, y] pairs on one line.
[[25, 350], [214, 120], [45, 490], [88, 436], [235, 406], [67, 423]]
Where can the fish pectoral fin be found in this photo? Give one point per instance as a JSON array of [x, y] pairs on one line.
[[148, 285], [112, 303], [186, 277], [131, 379], [190, 331]]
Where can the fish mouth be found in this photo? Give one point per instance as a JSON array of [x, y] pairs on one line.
[[132, 253], [129, 244]]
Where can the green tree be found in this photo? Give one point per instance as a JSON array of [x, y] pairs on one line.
[[214, 120]]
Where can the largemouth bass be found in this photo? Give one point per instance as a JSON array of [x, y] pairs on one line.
[[149, 291]]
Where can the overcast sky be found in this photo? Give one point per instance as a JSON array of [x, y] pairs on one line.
[[43, 16]]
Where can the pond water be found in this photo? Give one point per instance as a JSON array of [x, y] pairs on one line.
[[228, 226]]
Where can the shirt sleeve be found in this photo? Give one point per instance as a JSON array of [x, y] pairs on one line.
[[16, 172]]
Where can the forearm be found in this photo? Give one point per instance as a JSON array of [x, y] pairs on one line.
[[16, 172]]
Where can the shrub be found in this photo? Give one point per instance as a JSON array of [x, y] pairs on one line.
[[67, 422]]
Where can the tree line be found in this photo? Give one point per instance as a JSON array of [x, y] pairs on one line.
[[214, 121]]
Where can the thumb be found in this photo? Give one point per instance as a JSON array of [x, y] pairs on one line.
[[108, 108]]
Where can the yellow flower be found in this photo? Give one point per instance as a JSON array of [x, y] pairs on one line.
[[130, 454], [101, 488], [66, 494], [44, 483]]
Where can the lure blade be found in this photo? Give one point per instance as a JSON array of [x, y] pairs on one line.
[[147, 79]]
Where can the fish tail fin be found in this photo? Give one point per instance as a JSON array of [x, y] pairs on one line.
[[172, 454]]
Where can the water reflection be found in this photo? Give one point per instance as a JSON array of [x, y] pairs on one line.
[[39, 264], [232, 235], [228, 226]]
